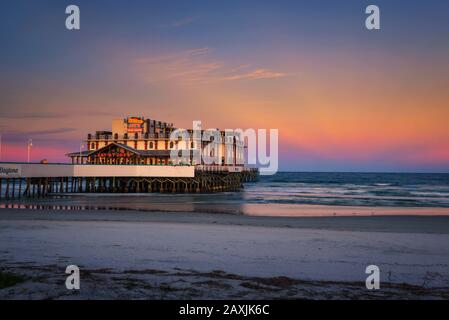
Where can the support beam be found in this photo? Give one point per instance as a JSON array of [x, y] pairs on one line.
[[7, 189], [20, 187], [13, 187]]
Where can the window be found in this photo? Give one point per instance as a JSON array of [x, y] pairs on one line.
[[212, 153], [92, 146], [151, 145], [116, 136], [171, 145], [192, 145], [136, 135]]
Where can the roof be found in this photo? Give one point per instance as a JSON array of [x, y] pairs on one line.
[[124, 146], [74, 154], [139, 152]]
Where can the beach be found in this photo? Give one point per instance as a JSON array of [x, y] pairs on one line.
[[174, 255]]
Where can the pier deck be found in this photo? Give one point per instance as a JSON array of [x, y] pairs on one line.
[[39, 180]]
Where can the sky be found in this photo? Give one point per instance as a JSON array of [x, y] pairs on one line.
[[344, 98]]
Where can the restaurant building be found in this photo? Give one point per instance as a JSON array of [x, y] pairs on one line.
[[140, 141]]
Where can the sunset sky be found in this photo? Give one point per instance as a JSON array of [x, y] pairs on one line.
[[343, 98]]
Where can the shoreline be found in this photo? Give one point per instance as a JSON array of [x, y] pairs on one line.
[[246, 209], [388, 223]]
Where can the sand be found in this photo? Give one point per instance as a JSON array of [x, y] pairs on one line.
[[138, 255]]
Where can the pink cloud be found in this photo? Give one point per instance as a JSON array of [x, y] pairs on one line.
[[257, 74], [18, 153], [198, 66]]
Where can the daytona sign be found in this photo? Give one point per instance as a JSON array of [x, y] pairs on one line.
[[10, 171]]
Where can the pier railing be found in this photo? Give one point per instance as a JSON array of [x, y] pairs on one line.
[[216, 168], [52, 170]]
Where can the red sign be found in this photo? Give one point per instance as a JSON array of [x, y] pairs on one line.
[[116, 155], [135, 125]]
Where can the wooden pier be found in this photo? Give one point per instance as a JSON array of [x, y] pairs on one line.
[[205, 179]]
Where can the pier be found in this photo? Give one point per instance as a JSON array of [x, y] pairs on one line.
[[19, 180]]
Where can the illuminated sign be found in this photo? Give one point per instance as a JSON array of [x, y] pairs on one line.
[[135, 120], [135, 125], [115, 155]]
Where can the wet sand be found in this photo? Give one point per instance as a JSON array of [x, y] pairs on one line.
[[389, 223]]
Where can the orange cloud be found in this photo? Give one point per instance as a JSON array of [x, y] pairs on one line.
[[257, 74]]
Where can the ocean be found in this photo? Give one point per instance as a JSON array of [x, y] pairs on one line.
[[353, 189], [283, 194]]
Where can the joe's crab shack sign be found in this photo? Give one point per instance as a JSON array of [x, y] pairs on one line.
[[116, 154]]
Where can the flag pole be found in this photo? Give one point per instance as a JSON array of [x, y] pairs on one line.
[[29, 145]]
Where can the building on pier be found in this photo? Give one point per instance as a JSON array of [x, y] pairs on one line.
[[140, 141], [136, 156]]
